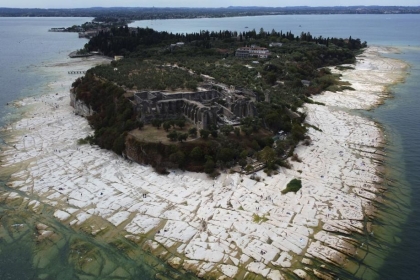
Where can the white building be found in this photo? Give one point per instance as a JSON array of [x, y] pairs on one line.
[[252, 51]]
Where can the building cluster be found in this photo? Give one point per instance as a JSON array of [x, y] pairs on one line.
[[92, 32], [177, 45], [253, 51], [203, 108]]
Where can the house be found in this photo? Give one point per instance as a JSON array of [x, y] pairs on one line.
[[88, 34], [177, 45], [252, 51], [306, 83], [275, 44]]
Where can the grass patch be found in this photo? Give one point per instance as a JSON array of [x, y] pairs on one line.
[[347, 88], [84, 141], [310, 101], [333, 88], [257, 219], [341, 67], [293, 186], [312, 126], [150, 133]]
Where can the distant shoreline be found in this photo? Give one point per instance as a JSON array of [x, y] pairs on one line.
[[147, 13]]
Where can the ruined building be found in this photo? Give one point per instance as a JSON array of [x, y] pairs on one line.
[[203, 108]]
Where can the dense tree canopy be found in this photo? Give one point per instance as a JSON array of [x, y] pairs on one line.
[[294, 71]]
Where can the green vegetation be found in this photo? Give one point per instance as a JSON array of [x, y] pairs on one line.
[[342, 67], [87, 140], [153, 61], [293, 186], [114, 113], [313, 126], [257, 219], [82, 52]]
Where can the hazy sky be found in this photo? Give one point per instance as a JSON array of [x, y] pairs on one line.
[[196, 3]]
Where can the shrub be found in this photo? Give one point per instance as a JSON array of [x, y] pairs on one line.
[[295, 157], [197, 154], [192, 131], [258, 219], [173, 135], [283, 163], [204, 133], [293, 186], [88, 140]]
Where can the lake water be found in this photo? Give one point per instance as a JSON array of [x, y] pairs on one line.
[[25, 45]]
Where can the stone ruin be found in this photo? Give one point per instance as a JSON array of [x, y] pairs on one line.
[[203, 108]]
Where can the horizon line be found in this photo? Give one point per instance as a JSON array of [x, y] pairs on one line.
[[189, 7]]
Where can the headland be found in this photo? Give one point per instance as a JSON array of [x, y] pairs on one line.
[[229, 227]]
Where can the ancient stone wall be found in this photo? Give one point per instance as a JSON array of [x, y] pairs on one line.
[[244, 108], [196, 106]]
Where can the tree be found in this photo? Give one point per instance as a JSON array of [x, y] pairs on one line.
[[178, 158], [192, 131], [196, 154], [166, 126], [180, 123], [214, 133], [173, 135], [247, 130], [204, 133], [271, 78], [298, 132], [140, 125], [249, 168], [182, 136], [237, 131], [119, 144], [293, 186], [225, 155], [255, 145], [156, 123], [262, 33], [267, 155], [209, 165], [243, 154], [226, 129]]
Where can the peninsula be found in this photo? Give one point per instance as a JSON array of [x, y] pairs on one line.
[[207, 101], [226, 97]]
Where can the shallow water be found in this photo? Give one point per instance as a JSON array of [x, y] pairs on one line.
[[400, 116], [27, 52], [68, 254]]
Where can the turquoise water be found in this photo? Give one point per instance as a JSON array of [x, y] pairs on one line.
[[401, 117], [26, 44]]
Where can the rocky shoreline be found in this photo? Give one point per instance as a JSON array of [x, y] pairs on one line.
[[232, 227]]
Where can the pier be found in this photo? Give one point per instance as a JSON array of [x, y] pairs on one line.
[[77, 72]]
